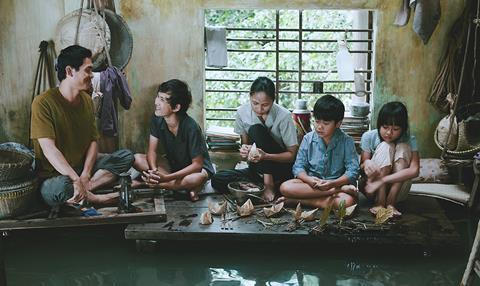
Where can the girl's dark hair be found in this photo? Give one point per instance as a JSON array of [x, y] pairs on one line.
[[329, 108], [71, 56], [179, 94], [393, 113], [263, 84]]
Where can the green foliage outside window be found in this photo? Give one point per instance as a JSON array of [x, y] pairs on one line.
[[312, 19]]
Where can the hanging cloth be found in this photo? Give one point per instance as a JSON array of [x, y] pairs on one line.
[[426, 17], [113, 86], [216, 46]]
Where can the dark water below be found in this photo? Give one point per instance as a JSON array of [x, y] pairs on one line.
[[99, 256]]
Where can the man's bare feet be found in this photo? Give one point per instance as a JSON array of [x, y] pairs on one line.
[[396, 213], [138, 184], [194, 196], [103, 199], [374, 210], [268, 195]]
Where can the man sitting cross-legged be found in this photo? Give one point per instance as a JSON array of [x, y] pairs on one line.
[[65, 137]]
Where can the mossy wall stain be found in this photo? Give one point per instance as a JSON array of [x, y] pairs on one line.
[[131, 10], [23, 25], [168, 44], [405, 68]]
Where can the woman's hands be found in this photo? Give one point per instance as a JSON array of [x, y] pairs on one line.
[[245, 150]]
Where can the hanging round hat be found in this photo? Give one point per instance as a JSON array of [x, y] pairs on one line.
[[121, 44], [92, 27]]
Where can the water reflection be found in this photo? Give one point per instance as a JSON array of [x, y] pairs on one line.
[[99, 260]]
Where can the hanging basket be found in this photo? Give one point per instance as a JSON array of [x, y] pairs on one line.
[[442, 133], [468, 137], [92, 28], [16, 197]]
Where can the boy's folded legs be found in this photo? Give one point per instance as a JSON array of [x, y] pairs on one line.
[[295, 191]]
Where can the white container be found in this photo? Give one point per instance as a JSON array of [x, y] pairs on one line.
[[344, 62]]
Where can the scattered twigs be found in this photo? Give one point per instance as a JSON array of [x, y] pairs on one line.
[[264, 223]]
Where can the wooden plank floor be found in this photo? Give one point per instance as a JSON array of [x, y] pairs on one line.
[[150, 210], [423, 224]]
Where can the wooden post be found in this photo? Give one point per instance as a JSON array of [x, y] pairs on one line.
[[470, 271], [473, 193], [3, 274]]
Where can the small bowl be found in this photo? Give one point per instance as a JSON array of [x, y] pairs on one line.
[[360, 110], [242, 193]]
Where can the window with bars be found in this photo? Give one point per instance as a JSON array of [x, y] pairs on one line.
[[295, 48]]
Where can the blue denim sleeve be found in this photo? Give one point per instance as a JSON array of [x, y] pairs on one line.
[[352, 165], [301, 160]]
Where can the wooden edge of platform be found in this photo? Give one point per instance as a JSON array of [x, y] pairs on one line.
[[158, 215]]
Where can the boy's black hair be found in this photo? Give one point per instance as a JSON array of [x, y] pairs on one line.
[[393, 113], [179, 94], [71, 56], [329, 108], [263, 84]]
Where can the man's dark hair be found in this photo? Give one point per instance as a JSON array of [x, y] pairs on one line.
[[71, 56], [329, 108], [263, 84], [393, 113], [179, 94]]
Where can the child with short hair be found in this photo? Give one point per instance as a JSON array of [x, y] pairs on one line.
[[182, 140], [325, 162], [389, 158]]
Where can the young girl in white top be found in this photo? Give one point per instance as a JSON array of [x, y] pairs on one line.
[[389, 158]]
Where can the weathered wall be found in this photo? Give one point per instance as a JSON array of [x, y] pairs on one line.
[[23, 25], [405, 68], [168, 42]]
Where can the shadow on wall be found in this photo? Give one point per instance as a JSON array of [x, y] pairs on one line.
[[135, 123], [3, 134]]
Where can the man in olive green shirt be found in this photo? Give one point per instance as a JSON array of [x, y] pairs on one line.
[[64, 137]]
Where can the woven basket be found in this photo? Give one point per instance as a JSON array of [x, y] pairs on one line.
[[442, 133], [16, 197], [467, 153], [468, 138], [14, 165]]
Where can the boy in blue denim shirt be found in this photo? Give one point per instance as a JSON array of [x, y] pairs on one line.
[[326, 167]]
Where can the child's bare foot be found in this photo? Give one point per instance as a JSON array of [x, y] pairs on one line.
[[287, 201], [372, 186], [375, 209], [194, 196], [396, 213], [280, 200], [268, 195]]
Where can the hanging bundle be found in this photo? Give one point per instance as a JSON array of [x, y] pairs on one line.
[[45, 72], [466, 103], [447, 78]]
